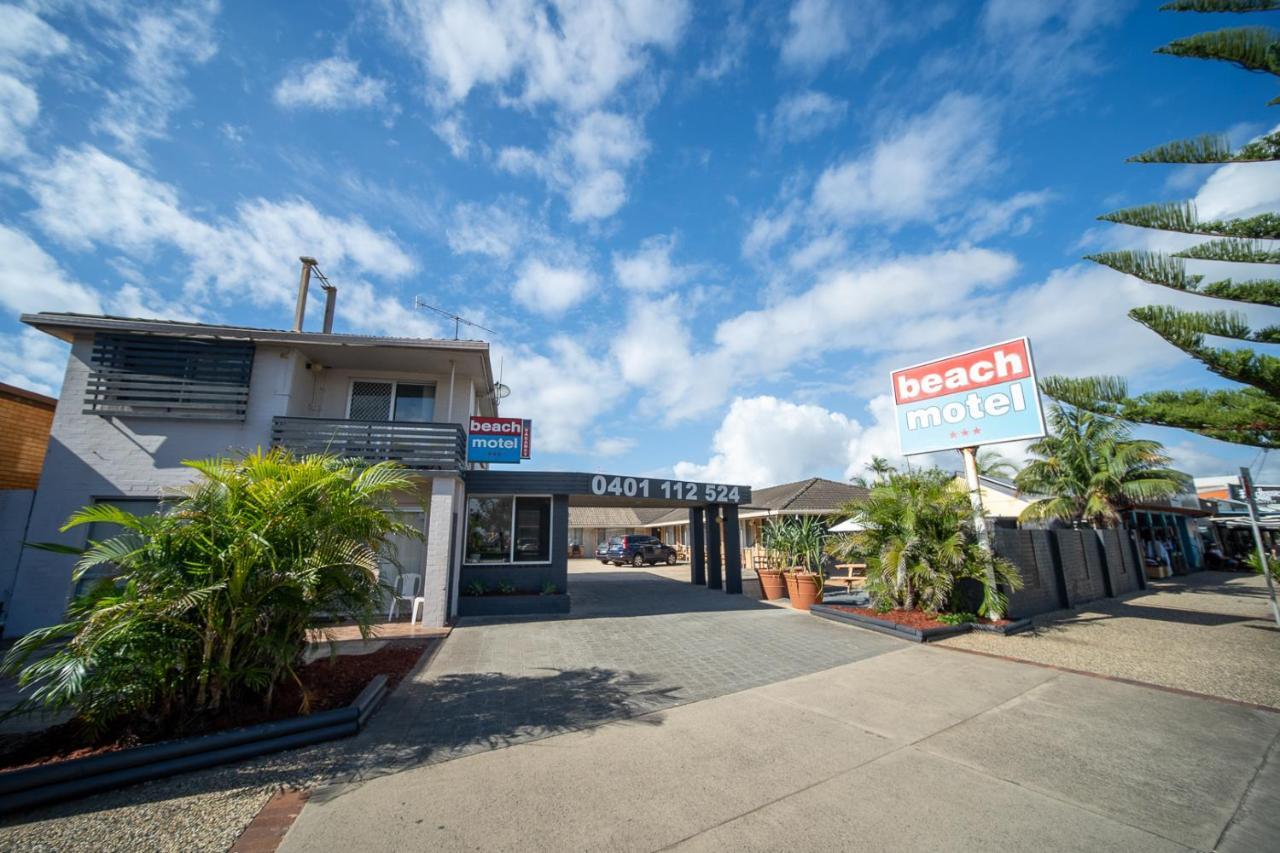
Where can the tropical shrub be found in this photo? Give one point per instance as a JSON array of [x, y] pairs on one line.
[[211, 599], [918, 542], [1089, 468], [795, 542]]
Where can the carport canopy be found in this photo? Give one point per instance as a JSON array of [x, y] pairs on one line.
[[712, 507]]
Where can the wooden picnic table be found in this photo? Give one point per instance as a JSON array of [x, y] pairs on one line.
[[855, 575]]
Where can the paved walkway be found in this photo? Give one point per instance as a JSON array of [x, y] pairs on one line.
[[660, 715], [1209, 632]]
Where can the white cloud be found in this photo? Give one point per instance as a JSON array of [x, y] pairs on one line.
[[574, 55], [804, 115], [612, 446], [846, 309], [819, 31], [586, 162], [492, 230], [86, 198], [19, 108], [451, 133], [1047, 43], [766, 231], [1014, 215], [649, 269], [158, 46], [335, 83], [33, 360], [911, 174], [730, 48], [763, 441], [30, 280], [563, 389], [26, 40], [551, 290]]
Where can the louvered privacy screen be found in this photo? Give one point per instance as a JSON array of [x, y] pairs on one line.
[[141, 376]]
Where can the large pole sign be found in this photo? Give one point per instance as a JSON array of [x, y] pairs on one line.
[[498, 439], [984, 396]]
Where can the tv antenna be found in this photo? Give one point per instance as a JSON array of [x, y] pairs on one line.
[[458, 322], [500, 391]]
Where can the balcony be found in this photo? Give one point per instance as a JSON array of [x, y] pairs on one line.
[[421, 446]]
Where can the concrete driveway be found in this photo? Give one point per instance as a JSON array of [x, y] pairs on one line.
[[661, 716]]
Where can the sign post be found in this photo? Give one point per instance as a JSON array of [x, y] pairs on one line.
[[970, 455], [1246, 483]]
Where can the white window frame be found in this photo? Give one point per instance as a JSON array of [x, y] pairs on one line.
[[551, 530], [394, 383]]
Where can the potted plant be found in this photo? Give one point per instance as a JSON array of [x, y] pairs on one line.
[[805, 579], [777, 544]]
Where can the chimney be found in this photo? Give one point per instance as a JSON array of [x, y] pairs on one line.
[[304, 283], [330, 299]]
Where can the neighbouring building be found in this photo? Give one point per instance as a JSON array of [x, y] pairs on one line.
[[25, 420], [813, 496]]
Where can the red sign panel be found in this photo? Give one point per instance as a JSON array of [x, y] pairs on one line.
[[968, 371]]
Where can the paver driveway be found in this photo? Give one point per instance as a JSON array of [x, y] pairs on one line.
[[662, 716], [635, 642]]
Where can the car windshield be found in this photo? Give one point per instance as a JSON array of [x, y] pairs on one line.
[[617, 540]]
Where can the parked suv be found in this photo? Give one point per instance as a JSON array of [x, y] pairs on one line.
[[637, 550]]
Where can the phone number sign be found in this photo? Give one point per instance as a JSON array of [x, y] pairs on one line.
[[673, 490]]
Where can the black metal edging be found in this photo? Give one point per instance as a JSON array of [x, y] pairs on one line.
[[34, 786]]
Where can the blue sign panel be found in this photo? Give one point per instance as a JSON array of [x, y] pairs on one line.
[[499, 439]]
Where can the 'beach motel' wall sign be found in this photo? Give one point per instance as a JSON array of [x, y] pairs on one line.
[[984, 396], [499, 439]]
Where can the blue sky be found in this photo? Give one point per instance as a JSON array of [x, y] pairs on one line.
[[704, 233]]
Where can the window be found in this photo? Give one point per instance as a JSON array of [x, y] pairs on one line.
[[392, 401], [508, 530], [100, 531]]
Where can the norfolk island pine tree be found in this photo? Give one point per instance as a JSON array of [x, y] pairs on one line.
[[1249, 414]]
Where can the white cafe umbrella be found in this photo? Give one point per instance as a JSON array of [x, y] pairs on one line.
[[849, 525]]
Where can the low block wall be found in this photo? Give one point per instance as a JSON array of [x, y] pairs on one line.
[[1068, 568]]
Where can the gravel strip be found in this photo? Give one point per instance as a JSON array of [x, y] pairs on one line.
[[1210, 633], [201, 811]]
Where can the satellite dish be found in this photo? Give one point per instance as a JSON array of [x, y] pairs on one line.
[[500, 391]]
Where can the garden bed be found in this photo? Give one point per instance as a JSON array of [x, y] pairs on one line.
[[908, 624], [331, 684], [914, 624]]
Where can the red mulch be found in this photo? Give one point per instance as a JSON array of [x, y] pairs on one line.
[[331, 684], [911, 618]]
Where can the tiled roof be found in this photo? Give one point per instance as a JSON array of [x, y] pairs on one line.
[[815, 494], [615, 516]]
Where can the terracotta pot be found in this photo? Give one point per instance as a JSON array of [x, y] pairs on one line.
[[772, 584], [805, 590]]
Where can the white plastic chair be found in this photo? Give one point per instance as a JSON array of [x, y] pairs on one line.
[[406, 587]]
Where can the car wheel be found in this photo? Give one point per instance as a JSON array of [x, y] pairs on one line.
[[604, 562], [637, 561], [671, 558]]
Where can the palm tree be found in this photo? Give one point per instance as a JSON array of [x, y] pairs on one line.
[[992, 464], [880, 468], [918, 540], [1089, 468], [211, 599]]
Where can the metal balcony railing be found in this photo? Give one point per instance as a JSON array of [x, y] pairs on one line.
[[422, 446]]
